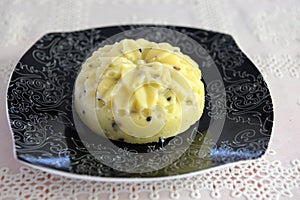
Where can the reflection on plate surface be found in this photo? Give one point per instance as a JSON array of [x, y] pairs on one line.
[[41, 115]]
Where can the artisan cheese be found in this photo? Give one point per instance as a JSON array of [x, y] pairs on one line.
[[138, 91]]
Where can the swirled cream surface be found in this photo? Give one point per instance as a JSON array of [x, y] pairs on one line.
[[138, 91]]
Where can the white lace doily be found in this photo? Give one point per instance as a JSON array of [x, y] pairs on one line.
[[267, 31]]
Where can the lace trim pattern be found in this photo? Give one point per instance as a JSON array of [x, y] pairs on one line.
[[257, 179], [278, 66], [267, 29]]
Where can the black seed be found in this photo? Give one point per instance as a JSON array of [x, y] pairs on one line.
[[169, 98], [140, 50], [148, 118], [176, 68], [83, 112], [113, 124], [84, 91], [102, 101]]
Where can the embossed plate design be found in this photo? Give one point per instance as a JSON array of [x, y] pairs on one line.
[[39, 104]]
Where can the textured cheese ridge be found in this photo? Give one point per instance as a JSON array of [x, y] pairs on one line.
[[139, 91]]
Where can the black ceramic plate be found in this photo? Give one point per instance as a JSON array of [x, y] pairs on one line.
[[236, 124]]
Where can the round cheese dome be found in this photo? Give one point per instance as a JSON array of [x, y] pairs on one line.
[[139, 91]]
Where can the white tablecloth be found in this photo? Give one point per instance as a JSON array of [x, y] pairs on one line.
[[267, 31]]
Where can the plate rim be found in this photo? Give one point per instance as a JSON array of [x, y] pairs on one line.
[[132, 179]]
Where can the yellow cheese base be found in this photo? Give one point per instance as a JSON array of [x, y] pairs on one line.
[[138, 91]]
